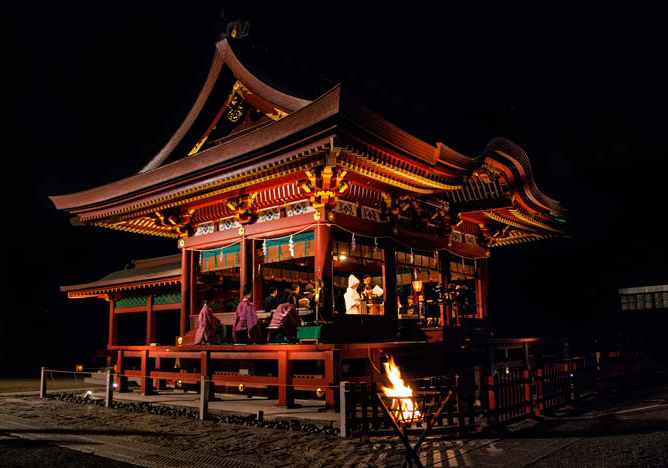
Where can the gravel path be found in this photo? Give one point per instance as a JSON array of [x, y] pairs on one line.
[[625, 430]]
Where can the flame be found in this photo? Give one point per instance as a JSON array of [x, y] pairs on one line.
[[404, 408]]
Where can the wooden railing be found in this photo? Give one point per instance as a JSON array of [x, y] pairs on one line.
[[506, 395]]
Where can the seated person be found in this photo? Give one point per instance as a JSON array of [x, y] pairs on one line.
[[294, 295], [246, 329], [284, 321], [271, 301], [309, 293], [412, 308]]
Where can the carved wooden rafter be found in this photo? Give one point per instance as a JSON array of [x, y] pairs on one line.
[[441, 218], [325, 184], [175, 219], [244, 209], [389, 210]]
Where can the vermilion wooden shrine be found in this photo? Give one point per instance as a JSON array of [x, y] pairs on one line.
[[262, 188]]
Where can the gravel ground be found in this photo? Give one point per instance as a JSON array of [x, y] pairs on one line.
[[622, 430], [21, 453]]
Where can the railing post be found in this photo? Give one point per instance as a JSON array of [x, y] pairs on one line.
[[121, 380], [146, 386], [343, 409], [285, 390], [527, 391], [492, 416], [540, 392], [109, 393], [42, 384], [204, 397]]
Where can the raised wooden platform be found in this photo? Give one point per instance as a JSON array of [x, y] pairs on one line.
[[316, 368]]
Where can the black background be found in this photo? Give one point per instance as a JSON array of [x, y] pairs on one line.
[[96, 89]]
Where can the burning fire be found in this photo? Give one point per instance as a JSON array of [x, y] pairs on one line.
[[404, 407]]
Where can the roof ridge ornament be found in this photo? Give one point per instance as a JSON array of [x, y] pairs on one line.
[[235, 29]]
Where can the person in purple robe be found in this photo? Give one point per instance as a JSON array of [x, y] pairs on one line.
[[246, 329], [286, 320], [207, 323]]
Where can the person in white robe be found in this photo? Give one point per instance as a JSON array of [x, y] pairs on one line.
[[352, 297]]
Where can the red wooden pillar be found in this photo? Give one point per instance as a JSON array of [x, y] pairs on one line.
[[323, 267], [390, 282], [444, 278], [113, 324], [245, 265], [331, 392], [478, 290], [257, 277], [484, 286], [285, 390], [195, 259], [186, 258], [146, 385], [150, 320], [121, 378]]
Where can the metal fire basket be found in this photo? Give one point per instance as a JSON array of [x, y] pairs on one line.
[[427, 408]]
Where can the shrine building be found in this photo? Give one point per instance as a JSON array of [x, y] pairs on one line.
[[263, 189]]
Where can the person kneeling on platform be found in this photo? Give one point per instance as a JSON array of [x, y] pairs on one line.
[[246, 329], [284, 323]]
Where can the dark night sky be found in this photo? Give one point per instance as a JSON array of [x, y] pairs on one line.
[[96, 89]]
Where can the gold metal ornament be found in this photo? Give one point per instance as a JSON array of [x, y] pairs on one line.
[[319, 392], [241, 387]]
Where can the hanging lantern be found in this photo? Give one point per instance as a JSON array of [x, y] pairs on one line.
[[291, 246], [264, 247]]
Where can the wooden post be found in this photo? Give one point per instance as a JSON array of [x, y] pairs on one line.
[[158, 384], [205, 371], [527, 391], [204, 397], [484, 281], [540, 392], [109, 392], [113, 324], [492, 416], [195, 258], [444, 279], [285, 390], [343, 409], [185, 290], [146, 385], [390, 283], [323, 267], [245, 265], [330, 377], [121, 380], [150, 320], [256, 278], [42, 384], [527, 361]]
